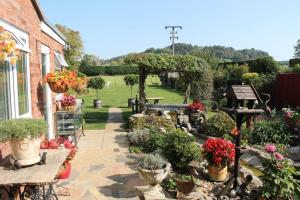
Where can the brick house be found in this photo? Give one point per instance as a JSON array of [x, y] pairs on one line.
[[22, 90]]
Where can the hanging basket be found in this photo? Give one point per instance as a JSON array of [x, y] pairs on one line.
[[217, 173], [58, 88]]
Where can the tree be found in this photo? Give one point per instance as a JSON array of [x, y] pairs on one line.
[[96, 83], [90, 60], [264, 65], [131, 80], [297, 49], [74, 52]]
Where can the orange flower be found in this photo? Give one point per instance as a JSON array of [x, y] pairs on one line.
[[235, 131]]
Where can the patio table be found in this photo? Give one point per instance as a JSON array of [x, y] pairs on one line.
[[37, 180]]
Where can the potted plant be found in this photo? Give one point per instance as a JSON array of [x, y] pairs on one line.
[[97, 83], [24, 136], [68, 103], [153, 169], [8, 49], [219, 153], [131, 80], [196, 111], [64, 171], [61, 81], [185, 183]]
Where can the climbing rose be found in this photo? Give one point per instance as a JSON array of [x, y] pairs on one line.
[[278, 156], [270, 148]]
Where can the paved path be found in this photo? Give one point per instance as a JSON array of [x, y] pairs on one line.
[[103, 167]]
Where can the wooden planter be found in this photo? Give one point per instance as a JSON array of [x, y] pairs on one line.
[[185, 186], [58, 88], [217, 173], [69, 108]]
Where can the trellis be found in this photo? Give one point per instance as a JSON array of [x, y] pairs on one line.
[[189, 66]]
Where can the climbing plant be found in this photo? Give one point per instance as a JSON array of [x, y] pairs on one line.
[[193, 70]]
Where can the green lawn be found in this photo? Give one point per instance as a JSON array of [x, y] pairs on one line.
[[116, 93]]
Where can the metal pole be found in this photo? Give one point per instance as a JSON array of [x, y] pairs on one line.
[[173, 36]]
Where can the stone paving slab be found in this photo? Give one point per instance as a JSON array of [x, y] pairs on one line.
[[103, 167]]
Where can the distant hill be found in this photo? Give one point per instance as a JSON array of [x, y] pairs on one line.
[[222, 53]]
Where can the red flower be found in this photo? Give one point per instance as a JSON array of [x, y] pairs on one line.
[[196, 105], [219, 151]]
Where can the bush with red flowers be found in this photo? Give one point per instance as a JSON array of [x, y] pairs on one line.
[[195, 106], [68, 100], [218, 151]]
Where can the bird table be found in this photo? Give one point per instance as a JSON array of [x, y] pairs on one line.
[[37, 180]]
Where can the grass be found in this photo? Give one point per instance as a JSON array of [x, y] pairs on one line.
[[116, 94]]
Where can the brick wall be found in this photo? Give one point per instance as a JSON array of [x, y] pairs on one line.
[[22, 14]]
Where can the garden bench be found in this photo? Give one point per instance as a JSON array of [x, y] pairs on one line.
[[155, 99], [166, 107]]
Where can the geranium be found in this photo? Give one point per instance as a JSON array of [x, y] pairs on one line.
[[8, 49], [196, 105], [218, 151], [278, 156], [68, 100]]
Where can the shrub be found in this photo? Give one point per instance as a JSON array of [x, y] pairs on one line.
[[21, 128], [235, 73], [152, 162], [249, 77], [150, 121], [264, 65], [264, 83], [180, 149], [219, 124], [278, 179], [155, 141], [269, 131], [139, 137]]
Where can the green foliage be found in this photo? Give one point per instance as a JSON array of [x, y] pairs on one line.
[[131, 80], [21, 128], [90, 60], [96, 83], [248, 78], [169, 183], [155, 141], [135, 149], [138, 137], [74, 53], [235, 73], [202, 85], [279, 180], [293, 62], [296, 68], [264, 65], [264, 83], [272, 130], [180, 149], [152, 162], [219, 125], [108, 70], [151, 121]]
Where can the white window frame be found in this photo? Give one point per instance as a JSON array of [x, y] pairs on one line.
[[21, 36]]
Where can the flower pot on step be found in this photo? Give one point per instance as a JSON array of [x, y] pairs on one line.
[[217, 173]]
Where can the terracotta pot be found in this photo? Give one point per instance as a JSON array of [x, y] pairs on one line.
[[154, 177], [217, 173], [69, 108], [65, 172], [58, 88], [26, 151], [184, 186]]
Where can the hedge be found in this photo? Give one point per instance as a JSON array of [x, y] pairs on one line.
[[108, 70], [293, 62]]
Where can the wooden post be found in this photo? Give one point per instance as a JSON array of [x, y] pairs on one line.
[[239, 122], [142, 80]]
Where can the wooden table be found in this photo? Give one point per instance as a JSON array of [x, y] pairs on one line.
[[156, 99], [37, 179]]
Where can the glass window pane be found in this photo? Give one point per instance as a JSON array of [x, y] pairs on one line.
[[4, 92], [22, 84]]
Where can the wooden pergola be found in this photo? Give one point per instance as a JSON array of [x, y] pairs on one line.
[[188, 66]]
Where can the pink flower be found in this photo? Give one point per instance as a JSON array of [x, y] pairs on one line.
[[270, 148], [278, 156]]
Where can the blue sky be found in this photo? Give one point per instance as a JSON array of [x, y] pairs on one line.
[[116, 27]]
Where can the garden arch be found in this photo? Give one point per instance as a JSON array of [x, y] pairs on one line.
[[191, 69]]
